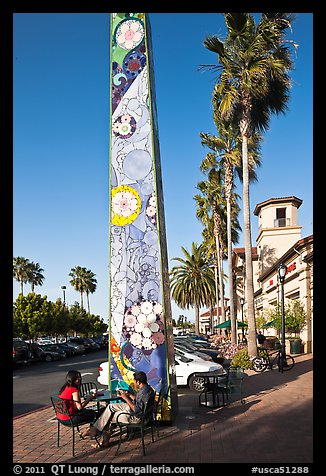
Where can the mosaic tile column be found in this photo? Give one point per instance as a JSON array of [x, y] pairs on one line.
[[140, 311]]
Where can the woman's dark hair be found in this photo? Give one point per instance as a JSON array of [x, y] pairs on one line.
[[71, 380], [140, 376]]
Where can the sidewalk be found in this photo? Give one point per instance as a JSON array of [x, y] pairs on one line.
[[275, 425]]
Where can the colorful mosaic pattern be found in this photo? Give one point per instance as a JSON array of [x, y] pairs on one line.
[[138, 334]]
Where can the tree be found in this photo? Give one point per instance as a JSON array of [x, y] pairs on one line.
[[211, 206], [31, 314], [227, 154], [294, 315], [35, 276], [20, 271], [253, 83], [77, 273], [83, 280], [60, 321], [90, 285], [192, 282]]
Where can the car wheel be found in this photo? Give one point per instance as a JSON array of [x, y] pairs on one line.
[[48, 358], [196, 383]]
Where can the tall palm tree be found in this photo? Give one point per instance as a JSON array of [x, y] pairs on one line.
[[211, 205], [78, 273], [209, 245], [227, 153], [253, 83], [20, 271], [35, 276], [192, 282], [90, 285]]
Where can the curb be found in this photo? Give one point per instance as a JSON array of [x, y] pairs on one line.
[[31, 411]]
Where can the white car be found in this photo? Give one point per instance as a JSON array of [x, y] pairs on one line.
[[191, 353], [185, 369]]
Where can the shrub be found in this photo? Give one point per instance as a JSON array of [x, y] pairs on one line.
[[241, 359], [228, 350]]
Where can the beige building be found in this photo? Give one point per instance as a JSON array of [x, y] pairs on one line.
[[279, 241]]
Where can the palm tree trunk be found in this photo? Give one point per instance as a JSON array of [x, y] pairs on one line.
[[216, 292], [197, 319], [230, 272], [211, 319], [220, 274], [22, 287], [81, 300], [87, 296], [252, 345]]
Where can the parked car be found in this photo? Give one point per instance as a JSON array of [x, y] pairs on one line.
[[21, 353], [194, 347], [95, 345], [101, 341], [41, 354], [185, 370], [56, 349], [44, 341], [78, 348], [68, 349], [81, 340], [191, 353]]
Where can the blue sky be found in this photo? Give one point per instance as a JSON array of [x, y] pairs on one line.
[[61, 139]]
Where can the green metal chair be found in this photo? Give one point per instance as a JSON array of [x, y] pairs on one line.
[[235, 382], [158, 410], [148, 421], [61, 406]]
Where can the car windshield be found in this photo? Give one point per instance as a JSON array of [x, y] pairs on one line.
[[183, 358], [186, 345]]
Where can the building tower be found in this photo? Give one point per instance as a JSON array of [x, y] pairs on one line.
[[278, 228]]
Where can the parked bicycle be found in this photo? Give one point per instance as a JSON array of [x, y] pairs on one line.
[[265, 360]]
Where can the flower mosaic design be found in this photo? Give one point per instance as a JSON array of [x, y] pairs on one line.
[[129, 34], [126, 205], [151, 209], [124, 126], [143, 325], [133, 64]]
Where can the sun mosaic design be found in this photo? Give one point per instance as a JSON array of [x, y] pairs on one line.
[[126, 205]]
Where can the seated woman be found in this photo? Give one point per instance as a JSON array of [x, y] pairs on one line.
[[132, 409], [70, 392]]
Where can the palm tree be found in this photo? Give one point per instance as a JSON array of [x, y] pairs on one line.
[[35, 276], [78, 273], [209, 245], [20, 271], [90, 285], [253, 83], [227, 153], [192, 282], [211, 205]]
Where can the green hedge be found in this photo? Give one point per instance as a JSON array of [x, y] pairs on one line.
[[241, 359]]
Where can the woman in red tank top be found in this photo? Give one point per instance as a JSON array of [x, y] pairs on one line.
[[70, 392]]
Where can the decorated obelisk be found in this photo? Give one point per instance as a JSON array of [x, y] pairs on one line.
[[140, 320]]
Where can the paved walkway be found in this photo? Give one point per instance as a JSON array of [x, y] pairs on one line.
[[274, 425]]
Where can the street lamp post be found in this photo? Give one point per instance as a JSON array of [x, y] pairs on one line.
[[282, 269], [64, 294], [242, 303]]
